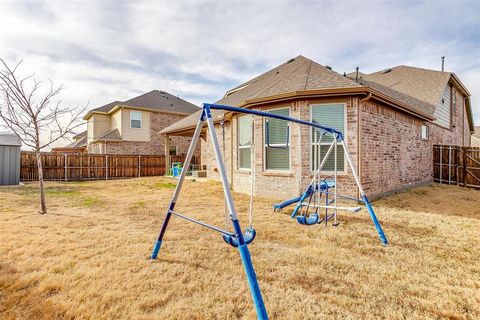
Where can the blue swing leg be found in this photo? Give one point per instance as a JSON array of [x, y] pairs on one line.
[[242, 247], [252, 282], [381, 235], [188, 159], [158, 243]]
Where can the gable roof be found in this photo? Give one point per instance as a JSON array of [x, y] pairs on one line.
[[162, 101], [154, 100]]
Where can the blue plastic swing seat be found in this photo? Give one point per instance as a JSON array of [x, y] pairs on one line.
[[308, 221], [248, 237], [326, 184]]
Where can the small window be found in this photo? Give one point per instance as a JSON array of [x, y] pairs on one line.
[[172, 150], [425, 132], [244, 142], [135, 119]]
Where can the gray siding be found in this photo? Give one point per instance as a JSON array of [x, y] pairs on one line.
[[9, 165], [443, 111]]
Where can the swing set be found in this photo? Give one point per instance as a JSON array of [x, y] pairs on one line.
[[316, 189]]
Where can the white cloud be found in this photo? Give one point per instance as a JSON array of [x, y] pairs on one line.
[[103, 51]]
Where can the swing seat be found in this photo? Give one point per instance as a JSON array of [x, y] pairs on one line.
[[308, 221], [248, 236], [325, 185]]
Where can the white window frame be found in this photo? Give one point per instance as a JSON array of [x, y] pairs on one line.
[[141, 119], [427, 131], [345, 164], [289, 144], [243, 147]]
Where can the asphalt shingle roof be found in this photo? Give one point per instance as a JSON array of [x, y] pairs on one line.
[[419, 89], [421, 84], [156, 100], [110, 135]]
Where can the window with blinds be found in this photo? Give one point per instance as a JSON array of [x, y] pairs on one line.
[[276, 158], [329, 115], [244, 142]]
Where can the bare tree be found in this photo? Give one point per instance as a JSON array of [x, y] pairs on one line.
[[34, 112]]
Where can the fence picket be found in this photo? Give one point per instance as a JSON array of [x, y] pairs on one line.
[[464, 160]]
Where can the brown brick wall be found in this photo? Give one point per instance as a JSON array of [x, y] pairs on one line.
[[394, 159], [393, 154]]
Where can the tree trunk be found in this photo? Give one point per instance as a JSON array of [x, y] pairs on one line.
[[43, 206]]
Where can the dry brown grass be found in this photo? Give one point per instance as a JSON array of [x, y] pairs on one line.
[[89, 257]]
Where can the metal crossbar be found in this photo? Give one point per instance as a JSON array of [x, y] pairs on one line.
[[274, 116], [206, 225]]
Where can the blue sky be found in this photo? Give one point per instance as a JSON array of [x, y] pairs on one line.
[[114, 50]]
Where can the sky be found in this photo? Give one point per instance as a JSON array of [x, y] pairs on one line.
[[103, 51]]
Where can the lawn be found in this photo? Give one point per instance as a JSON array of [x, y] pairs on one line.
[[88, 258]]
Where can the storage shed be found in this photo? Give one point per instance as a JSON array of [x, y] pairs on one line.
[[9, 159]]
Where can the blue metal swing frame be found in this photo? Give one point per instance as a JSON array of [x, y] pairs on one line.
[[240, 243]]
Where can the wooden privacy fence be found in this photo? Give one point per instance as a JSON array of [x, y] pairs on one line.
[[77, 167], [456, 165]]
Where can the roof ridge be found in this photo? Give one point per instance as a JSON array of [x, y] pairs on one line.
[[308, 75], [277, 80]]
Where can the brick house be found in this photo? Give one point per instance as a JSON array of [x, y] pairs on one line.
[[391, 120], [133, 126]]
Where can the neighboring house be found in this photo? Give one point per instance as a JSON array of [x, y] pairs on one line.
[[476, 137], [391, 120], [79, 144], [133, 126]]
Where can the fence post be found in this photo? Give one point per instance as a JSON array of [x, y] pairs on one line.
[[81, 168], [139, 166], [464, 151], [449, 163], [441, 160], [65, 166], [106, 167]]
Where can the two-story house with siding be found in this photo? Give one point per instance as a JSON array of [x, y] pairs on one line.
[[391, 119], [133, 126]]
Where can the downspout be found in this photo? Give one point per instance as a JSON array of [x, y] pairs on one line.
[[359, 138]]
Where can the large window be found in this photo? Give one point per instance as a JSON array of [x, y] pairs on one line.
[[244, 142], [135, 119], [277, 152], [329, 115]]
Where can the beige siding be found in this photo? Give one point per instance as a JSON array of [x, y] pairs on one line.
[[98, 124], [135, 134], [443, 111], [90, 130], [117, 121]]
